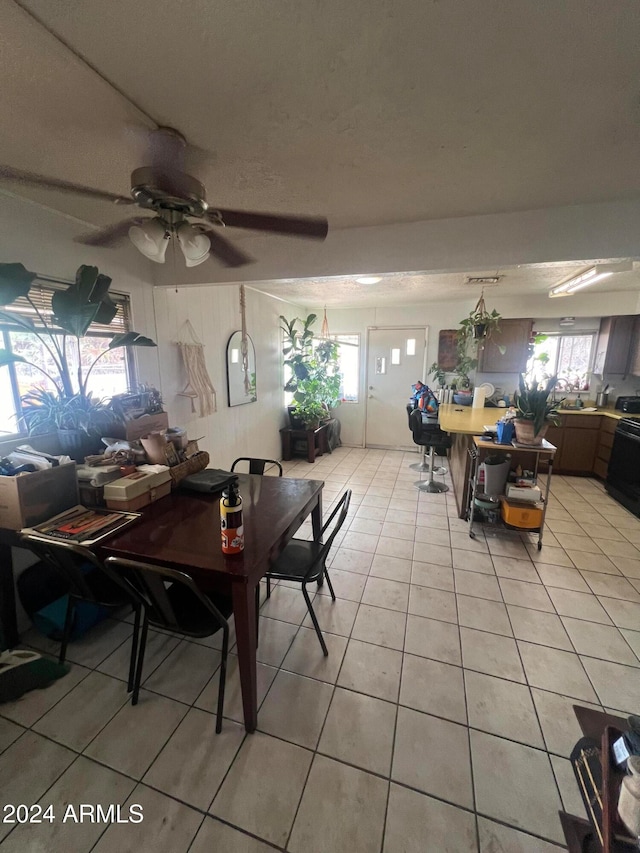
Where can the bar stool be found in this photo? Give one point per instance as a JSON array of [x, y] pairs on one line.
[[431, 436], [423, 466]]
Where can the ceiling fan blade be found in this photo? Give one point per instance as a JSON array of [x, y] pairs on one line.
[[32, 179], [112, 234], [224, 250], [298, 226]]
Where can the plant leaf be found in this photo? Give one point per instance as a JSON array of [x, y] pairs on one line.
[[130, 339], [15, 281], [7, 357]]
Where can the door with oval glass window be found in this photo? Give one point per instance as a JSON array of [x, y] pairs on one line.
[[396, 361]]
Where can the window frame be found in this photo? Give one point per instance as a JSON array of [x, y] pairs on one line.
[[335, 337], [559, 335]]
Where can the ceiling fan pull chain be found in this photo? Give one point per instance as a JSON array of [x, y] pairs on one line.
[[216, 216]]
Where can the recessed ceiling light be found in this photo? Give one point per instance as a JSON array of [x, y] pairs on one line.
[[368, 279]]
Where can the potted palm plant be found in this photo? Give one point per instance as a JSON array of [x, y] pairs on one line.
[[64, 404], [535, 411]]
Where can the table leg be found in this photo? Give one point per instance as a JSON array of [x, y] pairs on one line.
[[8, 617], [311, 445], [244, 611], [316, 518]]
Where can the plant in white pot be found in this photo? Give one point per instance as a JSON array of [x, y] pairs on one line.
[[535, 411]]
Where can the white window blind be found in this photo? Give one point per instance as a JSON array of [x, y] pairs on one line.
[[40, 295]]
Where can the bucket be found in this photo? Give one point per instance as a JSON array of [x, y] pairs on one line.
[[495, 477]]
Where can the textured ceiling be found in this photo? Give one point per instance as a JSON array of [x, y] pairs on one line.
[[413, 288], [368, 112]]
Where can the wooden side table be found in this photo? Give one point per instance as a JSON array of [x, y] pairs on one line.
[[316, 439]]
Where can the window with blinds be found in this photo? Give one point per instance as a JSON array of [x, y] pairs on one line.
[[39, 300], [112, 374]]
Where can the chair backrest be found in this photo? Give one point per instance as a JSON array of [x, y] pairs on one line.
[[147, 583], [69, 559], [341, 509], [257, 466], [422, 425]]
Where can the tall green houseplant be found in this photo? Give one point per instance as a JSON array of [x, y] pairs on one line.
[[315, 379], [69, 405]]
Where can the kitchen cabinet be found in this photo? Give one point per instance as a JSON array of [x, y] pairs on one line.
[[614, 346], [634, 359], [514, 336], [579, 449], [603, 450], [577, 438]]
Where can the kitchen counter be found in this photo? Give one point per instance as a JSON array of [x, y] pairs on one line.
[[463, 422], [469, 421]]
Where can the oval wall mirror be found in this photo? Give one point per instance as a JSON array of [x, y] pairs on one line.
[[238, 392]]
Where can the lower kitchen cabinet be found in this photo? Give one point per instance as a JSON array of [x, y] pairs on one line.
[[603, 450], [578, 450], [577, 438]]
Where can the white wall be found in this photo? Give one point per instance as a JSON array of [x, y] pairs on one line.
[[447, 315], [42, 240], [249, 430]]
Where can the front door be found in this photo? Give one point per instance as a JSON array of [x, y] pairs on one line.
[[396, 362]]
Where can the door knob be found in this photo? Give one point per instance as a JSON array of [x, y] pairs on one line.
[[371, 396]]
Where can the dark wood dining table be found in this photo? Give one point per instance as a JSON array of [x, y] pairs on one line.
[[182, 531]]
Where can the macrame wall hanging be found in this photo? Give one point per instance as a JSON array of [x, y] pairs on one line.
[[244, 346], [324, 329], [199, 385]]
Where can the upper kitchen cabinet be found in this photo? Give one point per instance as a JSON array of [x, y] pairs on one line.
[[514, 336], [634, 359], [614, 352]]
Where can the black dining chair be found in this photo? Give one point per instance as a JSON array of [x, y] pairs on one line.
[[306, 562], [87, 581], [257, 466], [427, 433], [172, 600]]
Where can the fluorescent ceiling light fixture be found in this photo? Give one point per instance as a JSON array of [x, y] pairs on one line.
[[368, 279], [588, 277], [151, 238]]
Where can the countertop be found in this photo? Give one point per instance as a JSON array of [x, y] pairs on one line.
[[470, 421]]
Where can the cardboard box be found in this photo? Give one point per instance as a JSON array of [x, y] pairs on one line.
[[523, 492], [135, 429], [521, 515], [137, 490], [30, 499]]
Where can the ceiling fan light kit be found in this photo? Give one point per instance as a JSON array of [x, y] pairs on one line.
[[151, 238], [173, 196]]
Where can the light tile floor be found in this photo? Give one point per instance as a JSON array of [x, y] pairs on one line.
[[441, 721]]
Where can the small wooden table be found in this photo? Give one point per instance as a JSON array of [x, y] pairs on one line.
[[316, 439]]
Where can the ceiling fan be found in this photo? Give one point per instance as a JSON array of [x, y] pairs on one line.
[[175, 199]]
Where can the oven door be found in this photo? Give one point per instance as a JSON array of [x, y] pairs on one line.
[[623, 477]]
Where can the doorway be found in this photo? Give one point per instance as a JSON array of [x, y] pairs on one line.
[[395, 362]]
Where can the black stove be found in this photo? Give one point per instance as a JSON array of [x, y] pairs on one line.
[[623, 477]]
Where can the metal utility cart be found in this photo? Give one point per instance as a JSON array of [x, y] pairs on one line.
[[544, 451]]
